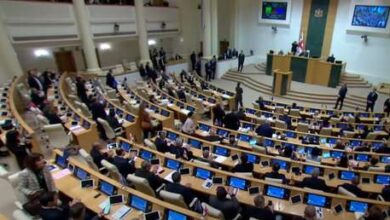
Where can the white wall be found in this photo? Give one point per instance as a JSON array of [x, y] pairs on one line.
[[259, 37], [371, 59]]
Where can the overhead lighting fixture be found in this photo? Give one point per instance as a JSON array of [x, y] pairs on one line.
[[105, 46], [41, 53], [152, 42]]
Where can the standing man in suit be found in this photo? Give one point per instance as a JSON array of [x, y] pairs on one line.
[[342, 93], [213, 67], [241, 59], [207, 67], [198, 67], [193, 60], [34, 81], [371, 99]]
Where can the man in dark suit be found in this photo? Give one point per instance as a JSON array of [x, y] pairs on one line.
[[161, 143], [229, 207], [176, 187], [231, 121], [98, 110], [207, 67], [314, 182], [244, 166], [81, 90], [294, 47], [198, 67], [148, 172], [110, 80], [331, 59], [142, 71], [264, 130], [287, 120], [241, 59], [181, 94], [371, 99], [340, 99], [50, 210], [125, 165], [260, 211], [274, 174], [34, 81], [213, 67], [193, 60], [354, 188]]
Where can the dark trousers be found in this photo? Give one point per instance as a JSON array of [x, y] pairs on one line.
[[239, 102], [370, 106], [193, 65], [341, 101], [240, 66], [208, 76], [213, 74]]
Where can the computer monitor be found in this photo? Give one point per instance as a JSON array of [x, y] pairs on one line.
[[317, 200], [244, 137], [61, 161], [290, 134], [268, 143], [223, 133], [173, 215], [385, 159], [307, 169], [355, 143], [172, 164], [250, 111], [204, 127], [139, 203], [253, 158], [248, 126], [347, 175], [107, 188], [146, 155], [126, 146], [332, 140], [86, 124], [382, 179], [164, 113], [378, 128], [203, 173], [283, 164], [238, 183], [336, 154], [172, 136], [195, 143], [221, 151], [80, 173], [355, 206], [190, 108], [129, 118], [276, 192], [362, 157]]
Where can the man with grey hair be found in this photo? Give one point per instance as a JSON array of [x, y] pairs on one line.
[[310, 213], [260, 211], [314, 182]]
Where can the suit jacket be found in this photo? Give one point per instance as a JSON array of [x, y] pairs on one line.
[[161, 145], [187, 194], [243, 167], [231, 121], [260, 213], [35, 82], [275, 175], [29, 183], [314, 183], [229, 208], [241, 58], [343, 92], [264, 130], [123, 165], [98, 111], [219, 113], [154, 180], [98, 157], [372, 97], [354, 189], [113, 122], [55, 213]]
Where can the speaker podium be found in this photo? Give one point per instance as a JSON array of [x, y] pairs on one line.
[[281, 83]]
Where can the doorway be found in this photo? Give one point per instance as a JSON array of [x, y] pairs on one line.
[[65, 61]]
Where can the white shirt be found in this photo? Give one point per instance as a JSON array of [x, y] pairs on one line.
[[188, 126]]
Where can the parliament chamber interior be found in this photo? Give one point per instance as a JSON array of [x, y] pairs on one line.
[[195, 109]]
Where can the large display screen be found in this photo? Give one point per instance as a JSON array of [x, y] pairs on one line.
[[274, 10], [374, 16]]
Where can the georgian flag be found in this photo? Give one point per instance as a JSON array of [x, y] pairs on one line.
[[301, 45]]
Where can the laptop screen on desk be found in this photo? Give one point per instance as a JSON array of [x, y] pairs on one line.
[[221, 151], [172, 215], [354, 206], [238, 183], [138, 203], [346, 175], [195, 143], [172, 164], [382, 179], [276, 192], [316, 200], [106, 188]]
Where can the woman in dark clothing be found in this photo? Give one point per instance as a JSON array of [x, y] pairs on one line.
[[344, 162], [239, 92], [112, 120], [219, 114], [20, 150]]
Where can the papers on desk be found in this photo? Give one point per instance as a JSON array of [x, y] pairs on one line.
[[204, 133], [121, 120], [164, 101], [319, 213], [169, 177], [245, 130], [226, 96], [61, 174], [184, 111], [148, 110], [220, 159], [133, 102], [121, 212], [105, 203], [169, 104], [76, 128]]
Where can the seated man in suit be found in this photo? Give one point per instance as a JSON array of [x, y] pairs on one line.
[[125, 165], [353, 187], [176, 187], [275, 173], [314, 182], [51, 210], [161, 142], [232, 121], [260, 211], [244, 166], [148, 172], [264, 130], [229, 207]]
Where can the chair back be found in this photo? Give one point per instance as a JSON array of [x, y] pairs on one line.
[[274, 180], [42, 120], [303, 127], [111, 93], [343, 191], [261, 121], [326, 131], [57, 136], [150, 144], [14, 180], [173, 198], [280, 124], [376, 169], [279, 109], [113, 171], [259, 149], [372, 136], [84, 109], [110, 133], [349, 134], [295, 112], [88, 159], [213, 212], [141, 184]]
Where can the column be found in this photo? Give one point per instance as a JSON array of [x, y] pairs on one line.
[[214, 28], [206, 26], [234, 25], [9, 61], [85, 33], [141, 30]]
